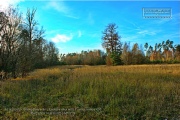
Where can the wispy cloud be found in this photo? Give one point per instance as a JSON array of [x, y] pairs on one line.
[[79, 34], [131, 39], [61, 7], [174, 20], [147, 32], [162, 21], [71, 16], [134, 32], [133, 25], [4, 4], [61, 38], [90, 19]]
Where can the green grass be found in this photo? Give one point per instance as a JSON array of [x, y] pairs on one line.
[[94, 92]]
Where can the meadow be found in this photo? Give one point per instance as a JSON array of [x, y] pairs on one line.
[[134, 92]]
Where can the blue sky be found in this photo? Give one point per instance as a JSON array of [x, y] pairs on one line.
[[77, 25]]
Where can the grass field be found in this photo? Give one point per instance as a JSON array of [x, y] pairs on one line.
[[135, 92]]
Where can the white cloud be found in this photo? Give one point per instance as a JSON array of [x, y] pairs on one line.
[[4, 4], [61, 38]]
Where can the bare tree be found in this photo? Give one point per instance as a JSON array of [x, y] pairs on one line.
[[9, 34]]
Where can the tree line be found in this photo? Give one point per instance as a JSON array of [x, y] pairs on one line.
[[95, 57], [22, 44], [123, 54]]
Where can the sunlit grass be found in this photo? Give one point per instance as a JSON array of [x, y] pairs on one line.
[[45, 73], [121, 92]]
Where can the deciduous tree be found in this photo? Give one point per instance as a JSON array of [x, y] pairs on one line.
[[111, 42]]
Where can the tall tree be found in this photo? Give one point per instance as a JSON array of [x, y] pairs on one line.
[[168, 49], [111, 42], [126, 54], [51, 54], [30, 26], [146, 47], [10, 21], [137, 54], [32, 42]]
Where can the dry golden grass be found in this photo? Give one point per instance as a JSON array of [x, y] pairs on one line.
[[122, 92], [42, 74], [45, 73], [153, 69], [172, 69]]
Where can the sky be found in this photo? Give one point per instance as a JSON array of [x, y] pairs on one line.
[[77, 25]]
